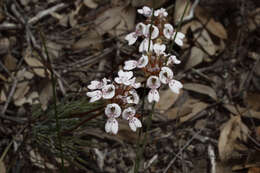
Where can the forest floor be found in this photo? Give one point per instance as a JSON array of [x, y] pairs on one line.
[[213, 125]]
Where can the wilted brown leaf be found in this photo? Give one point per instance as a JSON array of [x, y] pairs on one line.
[[232, 131], [202, 89]]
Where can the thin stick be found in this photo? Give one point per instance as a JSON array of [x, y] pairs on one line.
[[181, 150]]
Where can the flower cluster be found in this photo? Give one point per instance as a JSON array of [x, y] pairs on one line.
[[155, 62], [120, 93]]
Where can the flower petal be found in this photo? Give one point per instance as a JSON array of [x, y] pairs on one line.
[[128, 113], [168, 31], [175, 86], [130, 65], [159, 49], [132, 126], [145, 45], [114, 127], [161, 12], [173, 60], [108, 126], [112, 110], [146, 11], [95, 85], [108, 91], [131, 38], [137, 122], [95, 95], [165, 75], [153, 95], [143, 61], [153, 82]]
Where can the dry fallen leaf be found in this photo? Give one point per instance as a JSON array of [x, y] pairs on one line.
[[209, 22], [90, 3], [232, 131], [195, 58], [167, 99], [46, 94], [36, 65], [244, 111], [2, 167], [91, 40], [254, 19], [202, 89], [196, 108], [2, 96], [252, 101], [179, 9], [10, 62], [116, 21]]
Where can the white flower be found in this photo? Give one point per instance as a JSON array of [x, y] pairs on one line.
[[175, 86], [97, 84], [153, 82], [133, 98], [161, 13], [132, 37], [146, 11], [173, 60], [129, 114], [159, 49], [112, 111], [133, 84], [169, 33], [111, 126], [132, 64], [95, 95], [144, 46], [166, 77], [124, 77], [108, 91]]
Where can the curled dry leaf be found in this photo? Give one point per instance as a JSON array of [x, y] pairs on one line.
[[202, 89], [232, 131]]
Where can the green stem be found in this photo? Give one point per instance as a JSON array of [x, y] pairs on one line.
[[141, 149], [53, 81]]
